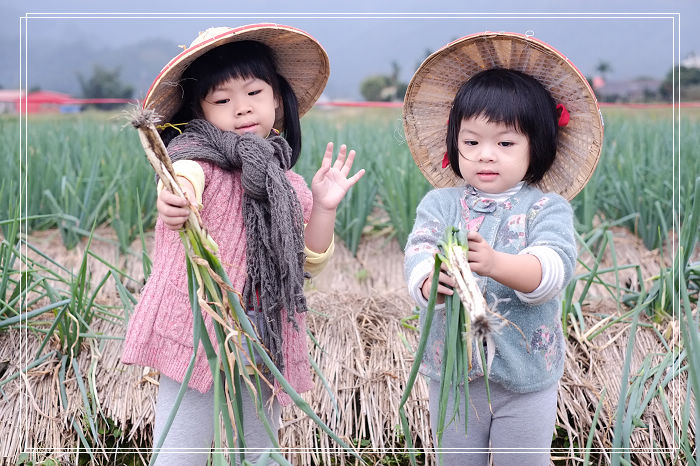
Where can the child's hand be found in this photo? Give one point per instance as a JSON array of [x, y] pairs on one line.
[[174, 210], [445, 285], [521, 272], [481, 256], [331, 182]]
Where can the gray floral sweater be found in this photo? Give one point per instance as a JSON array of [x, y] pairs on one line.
[[526, 221]]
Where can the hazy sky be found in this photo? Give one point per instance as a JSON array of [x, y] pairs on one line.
[[636, 42]]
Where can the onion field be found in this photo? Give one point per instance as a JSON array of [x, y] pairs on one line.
[[77, 211]]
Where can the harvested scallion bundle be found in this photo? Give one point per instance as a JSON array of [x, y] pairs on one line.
[[479, 321], [469, 322], [231, 361]]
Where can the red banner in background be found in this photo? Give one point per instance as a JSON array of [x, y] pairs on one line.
[[347, 103], [42, 99], [657, 105]]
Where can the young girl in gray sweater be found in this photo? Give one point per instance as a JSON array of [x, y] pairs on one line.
[[504, 140]]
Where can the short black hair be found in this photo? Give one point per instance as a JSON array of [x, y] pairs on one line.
[[242, 59], [515, 99]]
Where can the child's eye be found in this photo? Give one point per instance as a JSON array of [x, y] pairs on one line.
[[471, 143], [255, 92], [506, 143], [222, 101]]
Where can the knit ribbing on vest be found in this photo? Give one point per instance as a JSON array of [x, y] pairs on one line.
[[272, 215], [160, 329]]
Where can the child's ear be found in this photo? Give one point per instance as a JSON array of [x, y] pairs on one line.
[[279, 110]]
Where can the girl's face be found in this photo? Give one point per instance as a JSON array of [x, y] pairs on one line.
[[492, 156], [241, 105]]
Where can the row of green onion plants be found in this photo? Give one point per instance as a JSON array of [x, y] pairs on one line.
[[79, 172], [84, 170]]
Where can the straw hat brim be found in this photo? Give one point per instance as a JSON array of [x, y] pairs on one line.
[[433, 87], [298, 56]]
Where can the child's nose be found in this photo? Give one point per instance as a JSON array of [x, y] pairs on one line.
[[243, 110], [243, 107], [486, 154]]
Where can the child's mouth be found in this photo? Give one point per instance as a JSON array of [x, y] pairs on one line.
[[247, 128], [487, 176]]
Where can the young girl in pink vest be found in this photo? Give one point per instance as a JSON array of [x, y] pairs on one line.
[[235, 90]]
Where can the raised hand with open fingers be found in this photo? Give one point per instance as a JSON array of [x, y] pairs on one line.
[[330, 183], [328, 187]]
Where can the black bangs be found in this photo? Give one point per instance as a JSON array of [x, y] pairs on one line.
[[245, 59], [497, 99]]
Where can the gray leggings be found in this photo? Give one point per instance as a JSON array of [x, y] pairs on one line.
[[519, 431], [190, 436]]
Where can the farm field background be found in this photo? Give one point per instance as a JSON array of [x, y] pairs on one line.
[[88, 169], [631, 314]]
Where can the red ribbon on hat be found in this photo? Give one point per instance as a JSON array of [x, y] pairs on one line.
[[563, 115], [445, 161]]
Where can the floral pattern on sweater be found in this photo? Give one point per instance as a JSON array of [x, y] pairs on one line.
[[528, 218]]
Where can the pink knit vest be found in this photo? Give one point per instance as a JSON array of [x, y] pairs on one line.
[[160, 330]]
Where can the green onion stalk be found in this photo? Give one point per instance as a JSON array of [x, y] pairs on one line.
[[230, 357], [469, 323]]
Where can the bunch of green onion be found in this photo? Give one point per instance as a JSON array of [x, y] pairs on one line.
[[468, 322]]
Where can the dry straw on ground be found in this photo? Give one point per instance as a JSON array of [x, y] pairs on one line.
[[356, 312], [365, 364], [596, 366]]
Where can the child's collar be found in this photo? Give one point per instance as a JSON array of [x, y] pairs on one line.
[[498, 197]]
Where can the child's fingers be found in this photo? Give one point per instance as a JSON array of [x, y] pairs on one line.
[[444, 286], [167, 209], [446, 279], [475, 242], [321, 172], [171, 199], [355, 178], [473, 257], [173, 217], [326, 161], [474, 236], [348, 163], [177, 213], [174, 223], [340, 161], [327, 156]]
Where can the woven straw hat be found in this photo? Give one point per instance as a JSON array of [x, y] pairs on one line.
[[430, 93], [299, 58]]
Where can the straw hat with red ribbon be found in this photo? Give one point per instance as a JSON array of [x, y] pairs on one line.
[[299, 58], [430, 93]]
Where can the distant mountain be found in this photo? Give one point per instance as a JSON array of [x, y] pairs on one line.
[[141, 62], [55, 66]]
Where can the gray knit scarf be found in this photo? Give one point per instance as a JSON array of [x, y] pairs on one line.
[[272, 216]]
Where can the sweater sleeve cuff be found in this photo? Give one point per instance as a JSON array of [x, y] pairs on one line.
[[316, 261], [552, 275], [415, 281], [192, 172]]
